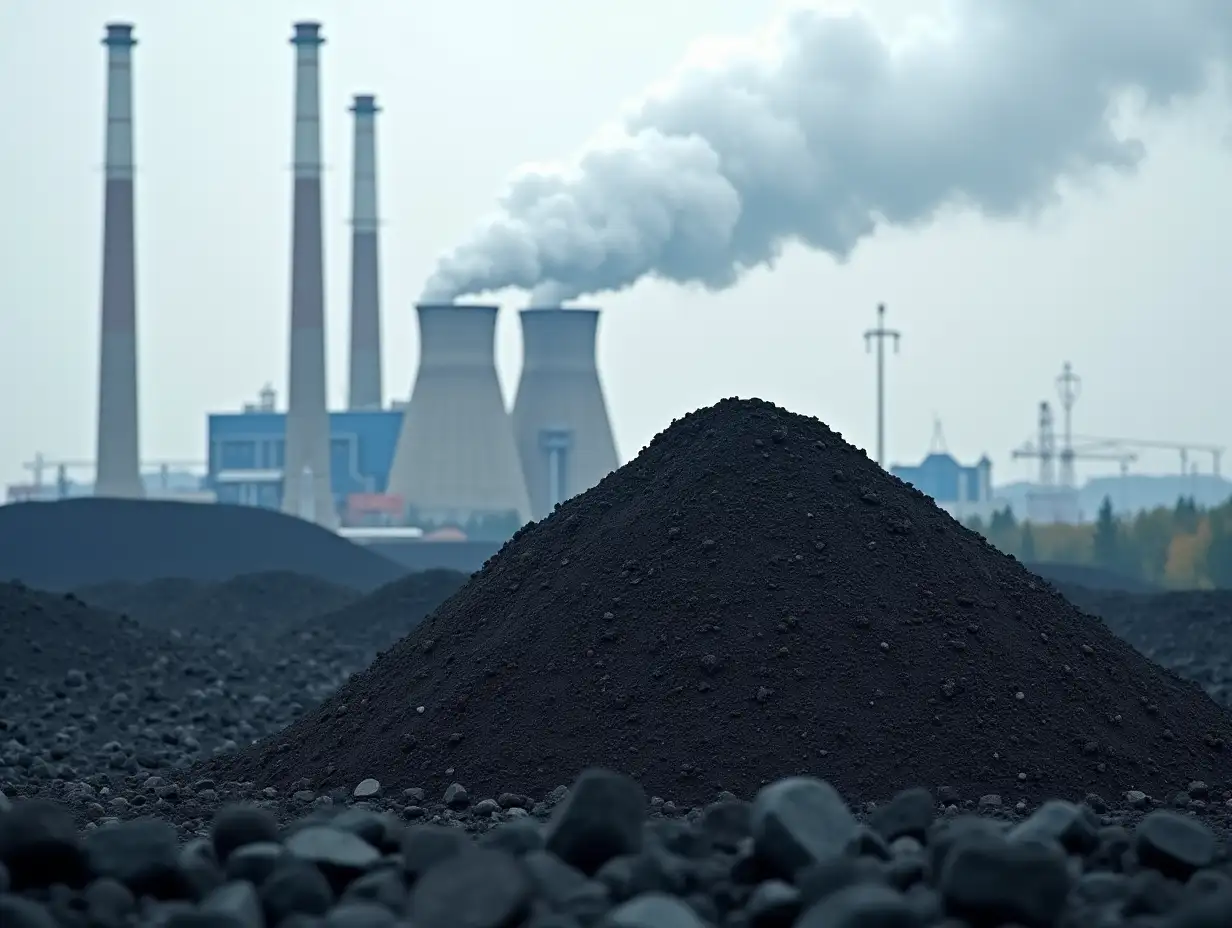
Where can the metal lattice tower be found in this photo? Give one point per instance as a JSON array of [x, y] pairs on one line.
[[1069, 388]]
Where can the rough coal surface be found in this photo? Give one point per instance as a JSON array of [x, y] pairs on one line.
[[753, 598], [86, 693], [99, 704], [70, 544], [251, 605], [602, 853], [1189, 632]]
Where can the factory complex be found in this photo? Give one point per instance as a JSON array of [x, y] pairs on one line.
[[454, 462]]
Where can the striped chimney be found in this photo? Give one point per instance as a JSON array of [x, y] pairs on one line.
[[365, 387], [307, 488], [117, 457]]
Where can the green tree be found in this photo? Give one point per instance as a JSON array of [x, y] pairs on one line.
[[1150, 537], [1106, 549], [1186, 515], [1026, 545]]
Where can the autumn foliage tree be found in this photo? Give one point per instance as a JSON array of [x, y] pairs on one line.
[[1182, 547]]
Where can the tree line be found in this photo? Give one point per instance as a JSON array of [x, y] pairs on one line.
[[1183, 547]]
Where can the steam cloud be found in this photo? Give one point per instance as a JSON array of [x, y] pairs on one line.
[[824, 129]]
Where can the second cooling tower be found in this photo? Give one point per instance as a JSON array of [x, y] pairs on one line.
[[560, 418], [456, 462]]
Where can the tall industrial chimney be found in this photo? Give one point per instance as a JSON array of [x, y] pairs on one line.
[[306, 490], [559, 416], [456, 458], [365, 375], [117, 456]]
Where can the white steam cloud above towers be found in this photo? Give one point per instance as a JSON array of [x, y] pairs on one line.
[[822, 129]]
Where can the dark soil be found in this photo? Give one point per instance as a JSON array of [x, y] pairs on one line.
[[86, 542], [753, 598], [254, 605]]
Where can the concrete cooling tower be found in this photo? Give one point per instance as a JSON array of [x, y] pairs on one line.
[[364, 389], [560, 418], [456, 459], [306, 490], [117, 453]]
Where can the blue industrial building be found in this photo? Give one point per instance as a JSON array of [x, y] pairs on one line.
[[960, 489], [246, 453]]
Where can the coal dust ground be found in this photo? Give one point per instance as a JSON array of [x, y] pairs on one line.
[[747, 601], [750, 598]]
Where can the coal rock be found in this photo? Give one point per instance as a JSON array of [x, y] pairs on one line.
[[810, 858]]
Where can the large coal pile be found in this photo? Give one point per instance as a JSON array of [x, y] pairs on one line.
[[75, 543], [348, 639], [1189, 632], [751, 598], [252, 606]]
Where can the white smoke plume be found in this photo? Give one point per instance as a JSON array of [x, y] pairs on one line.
[[823, 128]]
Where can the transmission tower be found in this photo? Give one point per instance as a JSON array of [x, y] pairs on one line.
[[1069, 388]]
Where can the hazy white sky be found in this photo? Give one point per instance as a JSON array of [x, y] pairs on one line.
[[1127, 279]]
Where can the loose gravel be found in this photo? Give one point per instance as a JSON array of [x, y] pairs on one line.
[[602, 853]]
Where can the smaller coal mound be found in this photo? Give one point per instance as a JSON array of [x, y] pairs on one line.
[[350, 637], [1189, 631], [76, 543], [253, 605], [753, 598], [1060, 575], [83, 690], [45, 636]]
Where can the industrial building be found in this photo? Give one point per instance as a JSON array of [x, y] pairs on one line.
[[964, 491], [247, 457]]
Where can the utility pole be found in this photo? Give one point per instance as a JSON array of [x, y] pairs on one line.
[[880, 335]]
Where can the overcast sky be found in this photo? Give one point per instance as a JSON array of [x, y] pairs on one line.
[[1125, 276]]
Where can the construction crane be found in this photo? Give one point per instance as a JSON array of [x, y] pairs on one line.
[[40, 465], [1045, 450], [1184, 448], [1057, 500]]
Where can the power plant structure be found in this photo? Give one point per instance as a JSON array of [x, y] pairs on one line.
[[306, 466], [453, 462], [560, 418], [456, 462], [365, 385], [118, 440], [1055, 497]]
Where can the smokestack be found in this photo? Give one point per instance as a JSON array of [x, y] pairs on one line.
[[117, 456], [306, 490], [365, 389], [560, 418], [456, 457]]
